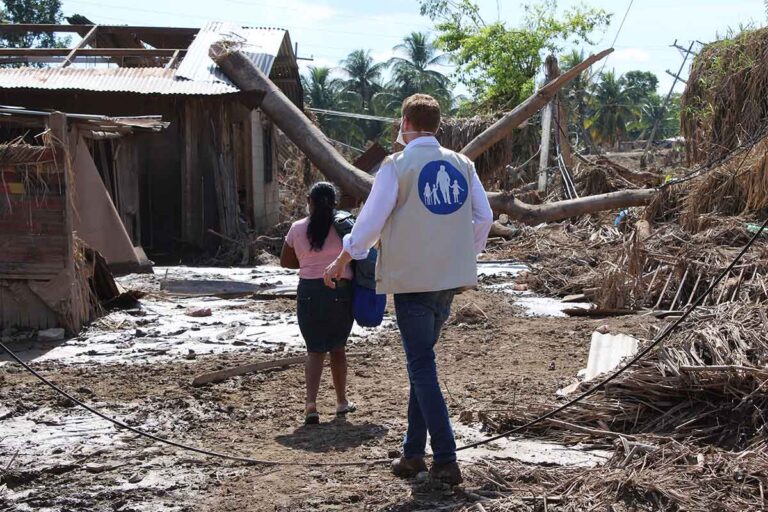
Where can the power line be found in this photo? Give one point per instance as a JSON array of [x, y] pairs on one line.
[[616, 38], [352, 115], [207, 18], [242, 458]]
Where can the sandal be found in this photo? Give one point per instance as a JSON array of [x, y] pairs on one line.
[[312, 418], [349, 407]]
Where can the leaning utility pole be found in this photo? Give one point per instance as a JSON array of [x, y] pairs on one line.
[[648, 144], [546, 126]]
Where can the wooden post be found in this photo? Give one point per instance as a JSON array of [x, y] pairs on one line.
[[649, 143], [562, 123], [546, 127], [57, 123]]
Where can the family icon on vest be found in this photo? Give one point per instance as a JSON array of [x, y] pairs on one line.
[[446, 191], [444, 185]]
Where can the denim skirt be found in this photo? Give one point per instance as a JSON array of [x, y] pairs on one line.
[[325, 314]]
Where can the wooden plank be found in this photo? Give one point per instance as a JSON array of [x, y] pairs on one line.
[[82, 44], [220, 375], [546, 132], [598, 312], [49, 28], [172, 62]]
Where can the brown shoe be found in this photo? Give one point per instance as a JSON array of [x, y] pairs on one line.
[[448, 473], [408, 468]]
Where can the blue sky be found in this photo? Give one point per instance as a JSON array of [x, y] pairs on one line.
[[327, 30]]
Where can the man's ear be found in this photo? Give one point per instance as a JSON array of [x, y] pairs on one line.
[[406, 124]]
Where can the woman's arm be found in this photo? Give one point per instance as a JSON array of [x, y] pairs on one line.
[[288, 258]]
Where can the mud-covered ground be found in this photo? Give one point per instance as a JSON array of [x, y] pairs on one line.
[[56, 457]]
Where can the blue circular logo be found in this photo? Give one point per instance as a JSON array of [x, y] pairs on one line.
[[442, 188]]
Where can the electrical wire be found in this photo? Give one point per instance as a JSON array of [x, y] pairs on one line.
[[240, 458], [616, 38], [202, 451], [661, 337]]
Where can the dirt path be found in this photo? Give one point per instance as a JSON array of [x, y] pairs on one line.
[[490, 358]]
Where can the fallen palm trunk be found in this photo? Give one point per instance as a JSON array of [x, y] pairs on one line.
[[355, 182], [529, 107]]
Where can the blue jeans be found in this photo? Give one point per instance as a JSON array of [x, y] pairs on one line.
[[420, 316]]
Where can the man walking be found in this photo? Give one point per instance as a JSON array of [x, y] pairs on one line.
[[424, 277]]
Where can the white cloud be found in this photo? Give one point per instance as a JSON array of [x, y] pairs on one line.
[[630, 55]]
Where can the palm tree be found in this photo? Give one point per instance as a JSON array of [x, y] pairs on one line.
[[575, 94], [363, 75], [322, 91], [412, 72], [612, 108]]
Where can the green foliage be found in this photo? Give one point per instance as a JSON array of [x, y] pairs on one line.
[[497, 63], [32, 11], [413, 72], [640, 85], [361, 88], [612, 110]]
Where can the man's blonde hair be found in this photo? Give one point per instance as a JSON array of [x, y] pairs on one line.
[[423, 111]]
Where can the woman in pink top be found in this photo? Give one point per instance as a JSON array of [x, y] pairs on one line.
[[325, 314]]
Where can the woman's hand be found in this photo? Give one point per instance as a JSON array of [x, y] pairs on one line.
[[336, 269]]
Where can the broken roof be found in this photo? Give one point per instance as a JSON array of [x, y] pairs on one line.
[[261, 45], [269, 49], [135, 80]]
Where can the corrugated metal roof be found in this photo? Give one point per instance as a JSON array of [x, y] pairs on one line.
[[260, 45], [138, 80]]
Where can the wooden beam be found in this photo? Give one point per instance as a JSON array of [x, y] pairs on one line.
[[88, 52], [173, 60], [47, 28], [82, 44], [218, 376]]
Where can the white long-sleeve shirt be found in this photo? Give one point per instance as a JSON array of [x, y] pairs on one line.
[[383, 198]]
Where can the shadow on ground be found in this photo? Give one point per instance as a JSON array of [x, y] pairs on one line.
[[338, 434]]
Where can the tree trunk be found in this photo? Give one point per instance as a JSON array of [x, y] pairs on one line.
[[313, 143], [526, 109], [292, 122]]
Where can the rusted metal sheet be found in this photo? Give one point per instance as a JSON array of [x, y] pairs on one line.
[[136, 80], [261, 45]]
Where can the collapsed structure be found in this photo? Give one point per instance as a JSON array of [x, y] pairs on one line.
[[159, 154], [213, 168]]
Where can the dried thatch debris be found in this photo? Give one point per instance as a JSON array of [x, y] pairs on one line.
[[492, 166], [639, 477], [725, 103], [704, 385]]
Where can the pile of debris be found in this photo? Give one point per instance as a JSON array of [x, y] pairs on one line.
[[703, 385], [687, 424], [638, 477], [724, 103]]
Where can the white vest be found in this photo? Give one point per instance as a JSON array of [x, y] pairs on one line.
[[427, 243]]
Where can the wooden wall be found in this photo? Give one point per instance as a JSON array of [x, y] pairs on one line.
[[35, 246], [172, 172], [32, 218]]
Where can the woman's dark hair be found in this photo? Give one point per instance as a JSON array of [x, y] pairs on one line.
[[323, 196]]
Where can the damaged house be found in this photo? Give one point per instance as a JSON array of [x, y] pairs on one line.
[[210, 174], [158, 153]]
